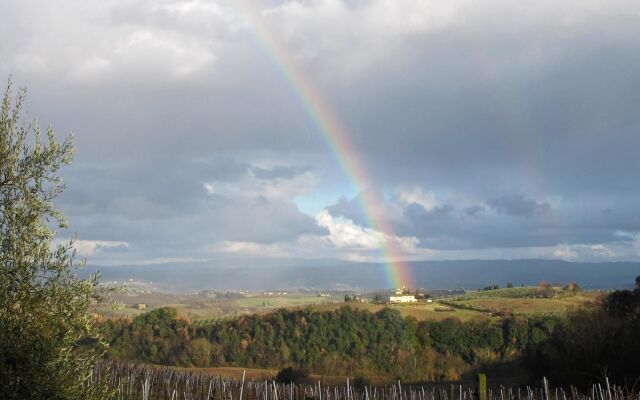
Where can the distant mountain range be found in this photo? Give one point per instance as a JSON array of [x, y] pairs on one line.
[[338, 275]]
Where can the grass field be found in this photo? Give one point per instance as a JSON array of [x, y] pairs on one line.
[[470, 306], [478, 305], [197, 307], [530, 305], [523, 301], [512, 293]]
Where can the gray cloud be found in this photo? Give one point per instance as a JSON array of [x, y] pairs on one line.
[[519, 206], [534, 108], [510, 221], [349, 208], [169, 212], [278, 172]]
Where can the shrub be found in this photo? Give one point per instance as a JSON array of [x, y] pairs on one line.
[[291, 375]]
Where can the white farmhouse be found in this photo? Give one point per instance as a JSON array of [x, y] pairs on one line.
[[403, 299]]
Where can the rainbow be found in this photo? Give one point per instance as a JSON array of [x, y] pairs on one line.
[[337, 139]]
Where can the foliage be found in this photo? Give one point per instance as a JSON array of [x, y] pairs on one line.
[[340, 342], [572, 288], [360, 382], [44, 323], [595, 341], [157, 337], [572, 349], [291, 375]]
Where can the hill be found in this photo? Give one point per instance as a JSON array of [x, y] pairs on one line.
[[475, 305], [272, 273]]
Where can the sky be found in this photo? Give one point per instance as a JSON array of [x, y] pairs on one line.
[[488, 129]]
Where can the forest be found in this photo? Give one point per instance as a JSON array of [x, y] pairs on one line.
[[581, 346]]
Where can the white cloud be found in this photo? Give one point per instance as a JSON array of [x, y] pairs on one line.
[[113, 42], [362, 33], [602, 250], [347, 39], [209, 188], [357, 257], [634, 238], [429, 83], [567, 252], [111, 262], [344, 233], [406, 196], [250, 186], [144, 55], [86, 248], [564, 252], [251, 248], [591, 252]]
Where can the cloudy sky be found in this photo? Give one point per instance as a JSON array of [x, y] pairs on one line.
[[490, 129]]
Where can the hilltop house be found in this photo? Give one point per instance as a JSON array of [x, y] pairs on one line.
[[403, 299]]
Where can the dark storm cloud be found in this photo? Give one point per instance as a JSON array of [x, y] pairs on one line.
[[507, 106], [519, 206], [473, 210], [169, 212], [349, 208], [522, 121], [510, 221]]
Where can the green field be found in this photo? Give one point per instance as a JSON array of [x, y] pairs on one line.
[[484, 304], [523, 301], [512, 293], [197, 307], [470, 306]]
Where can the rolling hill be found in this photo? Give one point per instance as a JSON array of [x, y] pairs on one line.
[[343, 275]]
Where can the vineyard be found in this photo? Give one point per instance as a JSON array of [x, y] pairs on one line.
[[131, 381]]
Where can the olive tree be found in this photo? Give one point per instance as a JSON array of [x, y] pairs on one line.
[[48, 341]]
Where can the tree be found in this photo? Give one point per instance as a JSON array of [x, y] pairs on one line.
[[596, 340], [572, 288], [291, 375], [199, 351], [49, 342]]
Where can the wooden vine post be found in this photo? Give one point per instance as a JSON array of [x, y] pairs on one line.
[[482, 387]]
